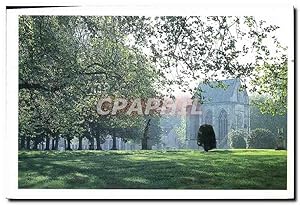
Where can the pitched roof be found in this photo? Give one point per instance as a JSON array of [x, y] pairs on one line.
[[212, 93]]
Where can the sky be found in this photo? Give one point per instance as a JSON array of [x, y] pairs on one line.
[[280, 33]]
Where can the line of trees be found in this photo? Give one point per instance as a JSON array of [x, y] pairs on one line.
[[66, 64]]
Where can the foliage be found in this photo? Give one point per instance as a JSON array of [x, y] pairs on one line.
[[261, 139], [271, 83], [155, 130], [180, 130], [66, 64], [212, 46], [266, 120], [237, 139]]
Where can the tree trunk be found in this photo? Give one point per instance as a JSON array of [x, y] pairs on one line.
[[98, 143], [144, 144], [80, 143], [35, 144], [92, 144], [28, 143], [68, 144], [22, 143], [56, 142], [145, 136], [53, 144], [114, 145], [47, 143]]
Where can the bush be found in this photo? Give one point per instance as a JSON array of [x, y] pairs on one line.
[[261, 139], [236, 139]]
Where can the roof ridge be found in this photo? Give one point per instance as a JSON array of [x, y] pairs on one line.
[[218, 94]]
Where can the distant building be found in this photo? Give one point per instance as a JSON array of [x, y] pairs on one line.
[[224, 108]]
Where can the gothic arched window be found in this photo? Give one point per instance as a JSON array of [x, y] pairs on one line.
[[208, 117], [239, 121], [223, 125]]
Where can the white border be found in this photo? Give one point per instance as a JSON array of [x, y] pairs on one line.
[[11, 147]]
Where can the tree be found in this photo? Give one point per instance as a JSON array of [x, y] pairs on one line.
[[151, 133], [68, 60], [270, 82], [172, 42], [210, 46], [266, 120], [181, 132]]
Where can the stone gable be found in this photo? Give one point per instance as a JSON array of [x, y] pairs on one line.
[[225, 107]]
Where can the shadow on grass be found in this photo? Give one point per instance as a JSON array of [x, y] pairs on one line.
[[152, 170]]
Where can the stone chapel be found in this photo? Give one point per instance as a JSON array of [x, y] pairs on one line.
[[226, 108]]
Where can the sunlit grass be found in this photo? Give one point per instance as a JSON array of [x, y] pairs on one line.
[[184, 169]]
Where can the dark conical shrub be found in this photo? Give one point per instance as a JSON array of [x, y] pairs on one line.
[[206, 137]]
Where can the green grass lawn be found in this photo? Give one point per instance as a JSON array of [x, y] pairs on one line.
[[187, 169]]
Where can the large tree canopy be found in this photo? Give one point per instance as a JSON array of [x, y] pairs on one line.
[[66, 66], [188, 47]]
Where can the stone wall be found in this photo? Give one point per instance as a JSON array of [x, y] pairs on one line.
[[238, 117]]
